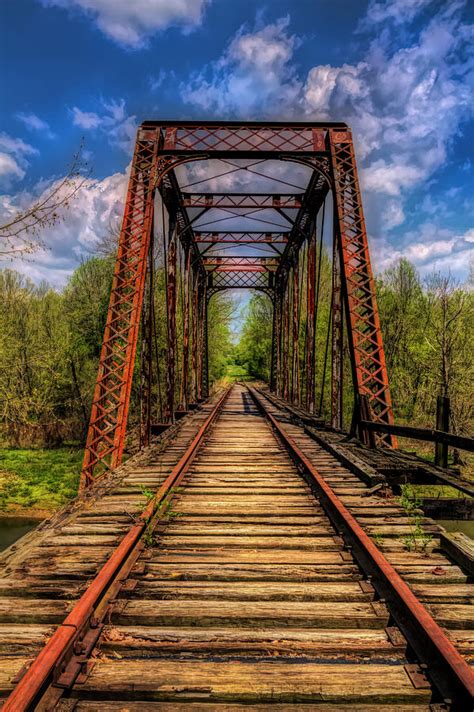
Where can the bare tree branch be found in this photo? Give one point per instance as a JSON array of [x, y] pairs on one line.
[[21, 235]]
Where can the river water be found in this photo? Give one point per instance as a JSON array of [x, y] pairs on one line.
[[458, 525], [12, 528]]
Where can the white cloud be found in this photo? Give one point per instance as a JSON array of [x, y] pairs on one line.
[[399, 11], [9, 167], [85, 119], [13, 158], [115, 123], [131, 22], [430, 248], [393, 214], [95, 210], [34, 123], [254, 76], [405, 106]]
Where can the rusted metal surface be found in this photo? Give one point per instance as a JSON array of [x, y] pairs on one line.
[[108, 421], [447, 668], [310, 321], [186, 319], [364, 334], [295, 371], [171, 321], [337, 342]]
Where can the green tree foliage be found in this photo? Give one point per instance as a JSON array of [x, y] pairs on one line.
[[254, 347], [428, 334], [50, 345], [220, 313], [50, 348]]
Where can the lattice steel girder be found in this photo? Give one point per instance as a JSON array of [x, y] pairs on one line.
[[219, 264], [240, 279], [245, 139], [364, 334], [242, 238], [242, 200], [106, 434]]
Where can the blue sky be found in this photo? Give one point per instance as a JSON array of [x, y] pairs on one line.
[[399, 72]]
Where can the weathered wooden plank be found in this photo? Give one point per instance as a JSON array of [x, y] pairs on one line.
[[318, 614], [31, 610], [256, 571], [459, 547], [247, 556], [130, 706], [251, 682], [199, 640], [254, 591], [221, 542]]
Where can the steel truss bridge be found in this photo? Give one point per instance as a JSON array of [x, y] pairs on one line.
[[274, 265]]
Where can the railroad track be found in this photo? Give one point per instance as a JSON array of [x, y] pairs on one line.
[[250, 577]]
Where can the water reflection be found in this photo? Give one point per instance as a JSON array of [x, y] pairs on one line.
[[12, 528]]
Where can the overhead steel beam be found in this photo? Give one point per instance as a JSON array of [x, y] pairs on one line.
[[242, 200], [241, 238]]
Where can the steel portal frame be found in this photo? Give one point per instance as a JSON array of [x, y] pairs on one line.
[[326, 149]]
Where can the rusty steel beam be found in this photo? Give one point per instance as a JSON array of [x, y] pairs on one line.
[[186, 318], [311, 322], [109, 414], [196, 394], [337, 341], [241, 200], [370, 377], [223, 139], [146, 365], [240, 261], [241, 238], [295, 371], [286, 343], [171, 321]]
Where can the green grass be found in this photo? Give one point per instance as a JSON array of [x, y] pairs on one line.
[[36, 478]]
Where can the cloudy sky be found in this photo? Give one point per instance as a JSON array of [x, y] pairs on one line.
[[400, 72]]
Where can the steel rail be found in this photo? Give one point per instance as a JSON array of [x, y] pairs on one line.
[[447, 669], [40, 674]]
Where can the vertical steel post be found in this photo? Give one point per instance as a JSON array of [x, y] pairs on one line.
[[274, 352], [171, 314], [147, 351], [369, 370], [205, 346], [442, 423], [286, 338], [201, 316], [295, 377], [337, 339], [110, 405], [279, 295], [194, 337], [185, 365], [310, 320]]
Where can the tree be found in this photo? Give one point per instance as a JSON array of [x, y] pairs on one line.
[[401, 301], [255, 343], [21, 234], [449, 312]]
